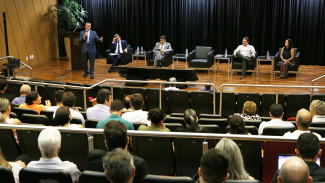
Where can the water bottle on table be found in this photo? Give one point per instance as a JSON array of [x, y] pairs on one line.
[[186, 52], [267, 54], [138, 50], [141, 50], [226, 55]]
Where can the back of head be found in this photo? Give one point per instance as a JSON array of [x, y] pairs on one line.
[[24, 89], [118, 165], [126, 101], [49, 141], [237, 125], [236, 163], [3, 161], [58, 96], [136, 101], [31, 97], [62, 116], [115, 134], [172, 79], [190, 119], [116, 105], [308, 145], [304, 118], [311, 108], [214, 166], [69, 99], [320, 107], [102, 95], [156, 116], [3, 84], [249, 108], [4, 105], [276, 110], [294, 170], [208, 87]]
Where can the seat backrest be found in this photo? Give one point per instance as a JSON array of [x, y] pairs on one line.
[[91, 123], [93, 92], [80, 97], [136, 125], [188, 153], [163, 179], [216, 116], [228, 103], [41, 90], [148, 147], [142, 91], [255, 123], [212, 128], [92, 177], [179, 115], [201, 52], [51, 91], [20, 111], [222, 123], [295, 102], [153, 99], [265, 118], [13, 115], [251, 129], [174, 120], [277, 130], [318, 97], [243, 97], [173, 126], [28, 175], [74, 84], [317, 124], [28, 143], [35, 119], [14, 88], [49, 115], [99, 142], [6, 175], [8, 144], [201, 102], [267, 100], [118, 92], [178, 101], [320, 131], [76, 121]]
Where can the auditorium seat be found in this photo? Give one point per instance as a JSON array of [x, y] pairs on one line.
[[91, 123], [35, 119], [265, 118], [20, 111], [6, 174], [14, 105], [237, 64], [320, 131], [267, 100], [228, 103], [201, 57], [13, 115], [54, 82], [149, 148], [84, 114], [179, 115], [8, 144], [136, 125], [222, 123], [317, 124], [178, 101], [277, 130], [14, 88], [118, 92], [295, 102], [28, 175], [153, 99], [41, 90], [127, 57], [28, 143], [93, 92], [99, 142], [217, 116], [79, 93], [251, 129], [173, 126], [293, 68], [92, 177], [202, 102], [212, 128], [142, 91], [51, 91], [164, 179], [174, 120], [242, 97], [74, 84], [76, 121], [49, 114], [318, 97], [255, 123], [165, 62]]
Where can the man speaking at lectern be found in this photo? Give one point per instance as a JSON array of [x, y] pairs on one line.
[[88, 50]]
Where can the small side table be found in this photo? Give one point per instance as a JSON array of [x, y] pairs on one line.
[[140, 55], [221, 58], [179, 56], [263, 58]]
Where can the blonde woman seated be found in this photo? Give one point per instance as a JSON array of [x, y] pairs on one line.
[[236, 163], [249, 111], [63, 118], [190, 120], [237, 126], [156, 117], [5, 109]]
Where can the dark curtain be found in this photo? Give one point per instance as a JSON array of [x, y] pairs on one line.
[[218, 23]]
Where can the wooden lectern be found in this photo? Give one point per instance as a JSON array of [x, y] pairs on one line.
[[75, 47]]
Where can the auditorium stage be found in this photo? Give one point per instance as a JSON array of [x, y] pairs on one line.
[[53, 69]]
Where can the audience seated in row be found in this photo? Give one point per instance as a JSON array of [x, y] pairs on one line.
[[249, 111], [33, 101], [190, 123], [237, 126], [317, 109], [63, 117], [5, 109], [3, 88], [276, 114], [24, 89], [137, 115], [303, 121], [115, 135], [101, 110], [156, 117], [172, 86], [116, 111], [58, 99], [126, 102]]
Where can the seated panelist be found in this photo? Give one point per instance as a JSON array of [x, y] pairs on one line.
[[158, 51], [118, 46]]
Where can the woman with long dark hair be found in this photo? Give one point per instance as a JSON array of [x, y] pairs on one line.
[[287, 55], [237, 125], [190, 123]]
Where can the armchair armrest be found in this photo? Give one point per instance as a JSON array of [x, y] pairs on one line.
[[149, 54], [128, 56], [191, 56], [276, 58], [211, 58], [169, 57], [297, 60]]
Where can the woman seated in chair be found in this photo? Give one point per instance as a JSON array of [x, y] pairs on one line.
[[156, 117], [236, 163], [190, 123], [63, 118], [5, 109], [249, 111], [33, 101], [237, 126], [287, 55]]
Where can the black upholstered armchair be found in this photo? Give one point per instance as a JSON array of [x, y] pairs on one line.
[[201, 57], [237, 64], [168, 59], [293, 68], [127, 57]]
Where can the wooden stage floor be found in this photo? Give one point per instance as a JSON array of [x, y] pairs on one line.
[[53, 69]]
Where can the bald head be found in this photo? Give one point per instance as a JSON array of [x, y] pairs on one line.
[[294, 170], [303, 119], [24, 89]]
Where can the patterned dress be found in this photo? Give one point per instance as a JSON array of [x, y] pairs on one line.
[[286, 54]]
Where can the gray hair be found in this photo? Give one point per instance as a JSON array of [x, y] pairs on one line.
[[118, 165], [4, 105], [304, 118], [49, 141], [25, 89], [294, 170], [116, 35], [319, 107], [236, 163], [311, 108], [172, 79]]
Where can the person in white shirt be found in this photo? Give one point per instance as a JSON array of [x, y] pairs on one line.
[[101, 110], [317, 109], [172, 86], [303, 121], [159, 51], [49, 143], [276, 114], [245, 52], [137, 115], [58, 99]]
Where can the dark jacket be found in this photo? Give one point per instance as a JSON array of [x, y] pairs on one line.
[[91, 45]]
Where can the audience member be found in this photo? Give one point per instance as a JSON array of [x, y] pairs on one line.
[[116, 111], [249, 111], [276, 114], [115, 135], [58, 99], [318, 108], [118, 165], [49, 143], [172, 86], [308, 149], [33, 101], [5, 110], [207, 87], [303, 121], [237, 125], [190, 123], [311, 108], [24, 89], [126, 102], [3, 88], [294, 170], [63, 118], [214, 166], [236, 163], [137, 115], [69, 99], [156, 117], [101, 110]]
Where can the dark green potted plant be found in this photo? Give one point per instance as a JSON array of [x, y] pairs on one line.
[[70, 16]]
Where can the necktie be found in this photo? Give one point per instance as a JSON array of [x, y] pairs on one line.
[[88, 35], [118, 47]]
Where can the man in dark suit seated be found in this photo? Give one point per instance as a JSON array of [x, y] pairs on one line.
[[115, 134], [117, 47], [3, 88]]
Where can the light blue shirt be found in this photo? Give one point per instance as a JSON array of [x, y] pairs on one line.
[[19, 100]]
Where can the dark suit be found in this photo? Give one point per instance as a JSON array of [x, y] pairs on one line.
[[89, 50], [116, 58], [95, 163]]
